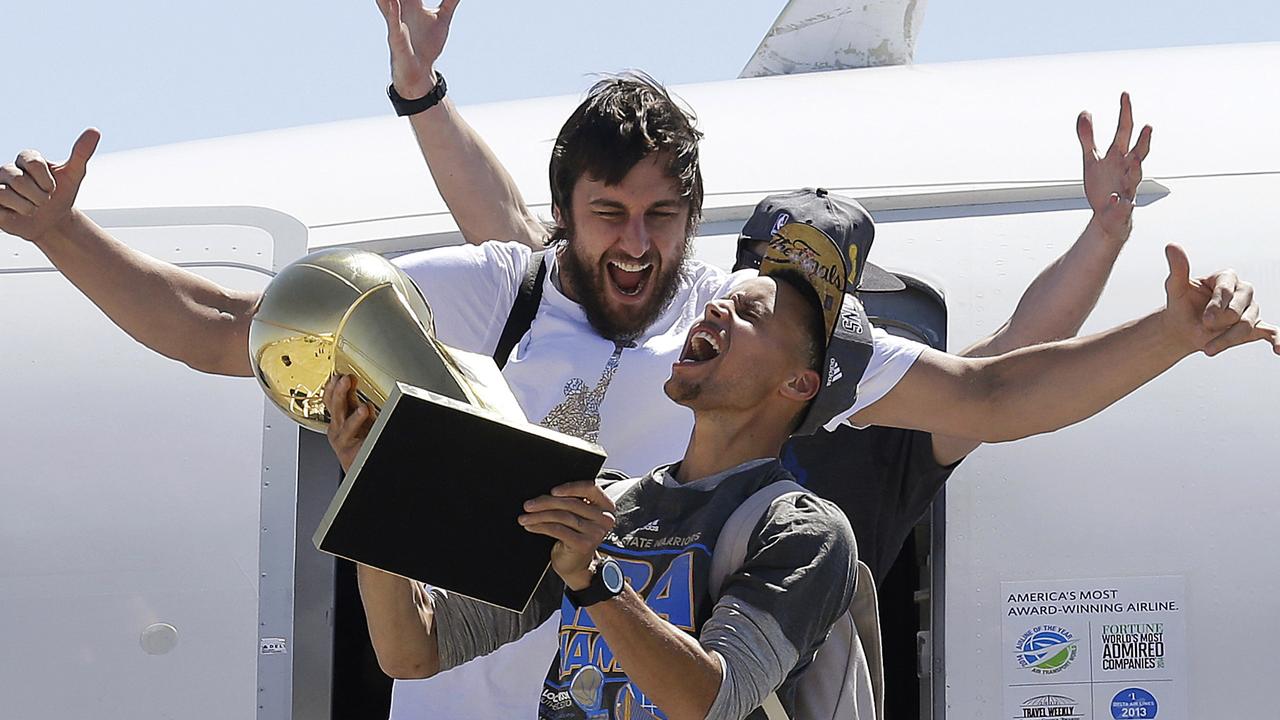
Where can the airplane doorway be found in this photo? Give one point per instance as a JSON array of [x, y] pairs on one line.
[[910, 594]]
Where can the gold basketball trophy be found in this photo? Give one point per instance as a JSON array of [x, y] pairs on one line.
[[434, 492], [354, 312]]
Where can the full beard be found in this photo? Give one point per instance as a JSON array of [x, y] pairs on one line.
[[627, 324]]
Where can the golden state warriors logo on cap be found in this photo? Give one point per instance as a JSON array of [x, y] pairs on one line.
[[809, 251]]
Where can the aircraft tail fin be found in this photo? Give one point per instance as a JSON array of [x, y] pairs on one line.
[[820, 35]]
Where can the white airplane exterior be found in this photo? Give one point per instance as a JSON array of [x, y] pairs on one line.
[[154, 552]]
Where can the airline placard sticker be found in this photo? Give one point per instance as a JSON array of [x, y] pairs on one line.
[[1095, 649]]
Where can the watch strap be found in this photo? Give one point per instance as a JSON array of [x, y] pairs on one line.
[[597, 591], [413, 107]]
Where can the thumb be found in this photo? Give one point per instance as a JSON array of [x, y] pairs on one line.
[[1179, 280], [85, 145]]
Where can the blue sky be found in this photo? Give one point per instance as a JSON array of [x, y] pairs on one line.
[[150, 72]]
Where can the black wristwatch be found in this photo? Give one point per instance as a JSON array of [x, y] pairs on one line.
[[413, 107], [606, 583]]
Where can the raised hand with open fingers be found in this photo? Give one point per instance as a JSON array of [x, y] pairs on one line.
[[1215, 312], [416, 35], [36, 196], [1111, 179]]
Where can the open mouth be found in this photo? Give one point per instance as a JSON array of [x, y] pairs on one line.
[[705, 344], [629, 277]]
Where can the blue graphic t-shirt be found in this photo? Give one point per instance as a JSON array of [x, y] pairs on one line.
[[797, 578]]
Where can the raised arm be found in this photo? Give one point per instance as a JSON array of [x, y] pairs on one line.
[[170, 310], [481, 195], [1046, 387], [1057, 302]]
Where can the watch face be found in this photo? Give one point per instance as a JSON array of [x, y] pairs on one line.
[[611, 574]]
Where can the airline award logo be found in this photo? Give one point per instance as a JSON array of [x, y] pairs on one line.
[[1046, 649], [1050, 706]]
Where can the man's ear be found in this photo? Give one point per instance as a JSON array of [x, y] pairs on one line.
[[802, 386]]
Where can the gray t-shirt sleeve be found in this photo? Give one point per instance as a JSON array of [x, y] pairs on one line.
[[777, 609], [467, 629]]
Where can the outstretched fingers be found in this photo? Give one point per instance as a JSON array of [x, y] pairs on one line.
[[1124, 128], [1143, 147], [398, 38], [445, 11], [1084, 131]]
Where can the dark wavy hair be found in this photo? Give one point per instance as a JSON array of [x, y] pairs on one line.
[[624, 119]]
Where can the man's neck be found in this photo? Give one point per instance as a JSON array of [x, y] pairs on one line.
[[557, 280], [720, 443]]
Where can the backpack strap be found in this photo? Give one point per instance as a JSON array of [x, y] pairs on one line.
[[731, 553], [865, 611], [523, 310], [731, 546]]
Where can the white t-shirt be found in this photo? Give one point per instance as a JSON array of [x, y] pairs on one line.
[[567, 377]]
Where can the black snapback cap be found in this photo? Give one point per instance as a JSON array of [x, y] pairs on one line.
[[825, 264], [841, 219]]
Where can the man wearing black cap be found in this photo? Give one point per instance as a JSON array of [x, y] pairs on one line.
[[845, 465]]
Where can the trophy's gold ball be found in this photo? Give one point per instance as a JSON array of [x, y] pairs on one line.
[[341, 311]]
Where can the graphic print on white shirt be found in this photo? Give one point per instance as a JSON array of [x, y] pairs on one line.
[[579, 413]]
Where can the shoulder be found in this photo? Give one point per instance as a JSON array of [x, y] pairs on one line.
[[799, 566], [891, 358], [499, 260], [470, 289], [888, 348], [806, 519]]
